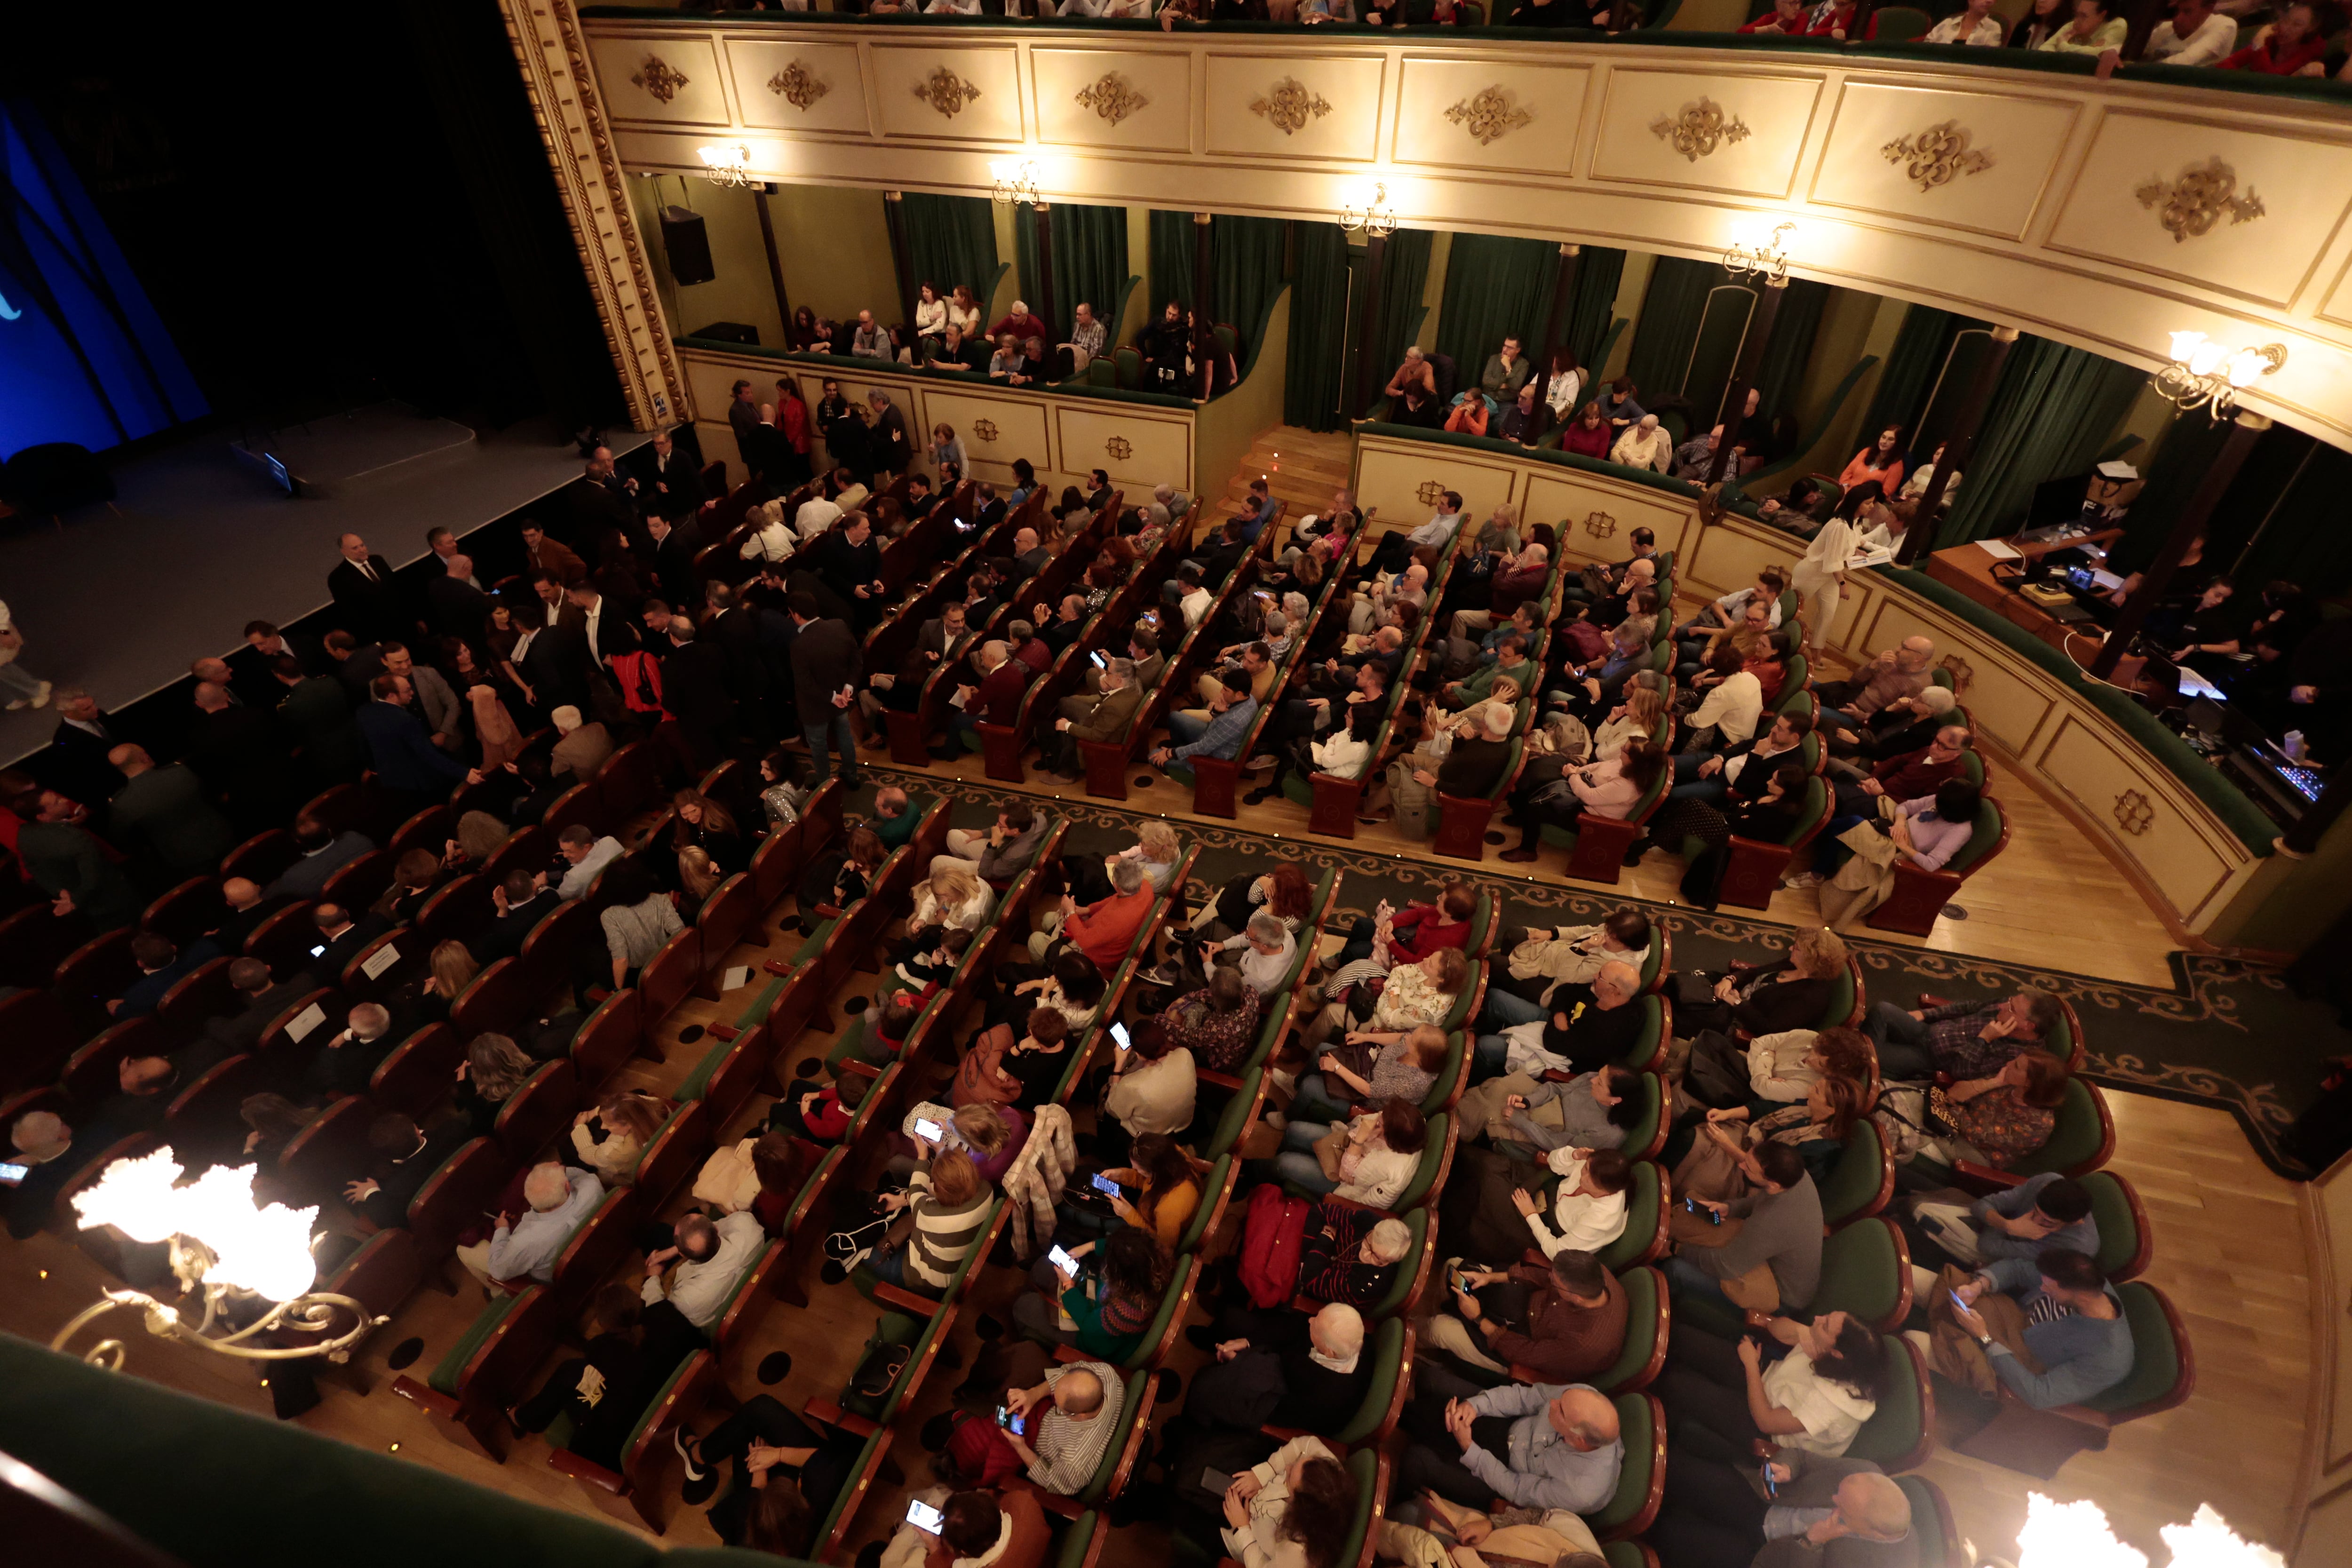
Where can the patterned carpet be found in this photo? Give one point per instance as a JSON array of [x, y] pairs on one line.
[[2227, 1033]]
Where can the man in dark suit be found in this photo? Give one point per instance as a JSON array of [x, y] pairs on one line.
[[554, 662], [164, 814], [406, 1157], [606, 625], [259, 1002], [364, 592], [251, 674], [990, 510], [600, 503], [459, 609], [321, 851], [1107, 718], [240, 753], [1833, 1513], [401, 748], [826, 673], [160, 965], [735, 630], [523, 904], [676, 545], [743, 419], [849, 563], [65, 861], [315, 715], [541, 553], [247, 906], [676, 486], [348, 1058], [77, 763], [694, 692], [340, 939]]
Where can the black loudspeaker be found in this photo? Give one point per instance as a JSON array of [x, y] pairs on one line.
[[687, 245]]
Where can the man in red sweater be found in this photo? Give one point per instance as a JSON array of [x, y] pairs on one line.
[[1103, 928], [1003, 680], [1415, 930]]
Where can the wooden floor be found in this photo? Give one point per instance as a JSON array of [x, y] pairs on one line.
[[2230, 1238]]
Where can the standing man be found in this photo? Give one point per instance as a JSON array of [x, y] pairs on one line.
[[743, 419], [362, 590], [162, 813], [825, 677], [678, 486]]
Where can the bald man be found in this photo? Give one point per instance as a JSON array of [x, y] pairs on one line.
[[1899, 672], [364, 597], [1822, 1511], [1539, 1444], [241, 754], [163, 814]]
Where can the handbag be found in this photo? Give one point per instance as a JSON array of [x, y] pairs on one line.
[[980, 1078]]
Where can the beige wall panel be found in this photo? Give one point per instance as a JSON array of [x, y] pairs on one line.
[[2304, 187], [2022, 137], [1404, 478], [760, 70], [904, 76], [1595, 520], [1728, 556], [1552, 97], [1775, 112], [1350, 85], [1161, 123], [993, 430], [2114, 789], [635, 71], [1136, 451], [2002, 696]]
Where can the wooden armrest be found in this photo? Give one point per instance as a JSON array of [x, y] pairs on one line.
[[1533, 1257], [1069, 1355], [826, 1413], [431, 1398], [723, 1031], [906, 1301], [1350, 1204], [1982, 1179], [1053, 1502], [589, 1471], [1222, 1079], [862, 1068], [1283, 1434]]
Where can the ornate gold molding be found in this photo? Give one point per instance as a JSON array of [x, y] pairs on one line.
[[797, 86], [1432, 492], [2190, 206], [1600, 524], [2133, 813], [1937, 155], [1489, 116], [1290, 105], [661, 79], [1110, 97], [986, 430], [1963, 673], [1118, 448], [562, 86], [1700, 129], [947, 93]]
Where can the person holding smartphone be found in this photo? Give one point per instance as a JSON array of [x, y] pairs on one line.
[[1107, 1310], [1007, 1529], [1821, 1383]]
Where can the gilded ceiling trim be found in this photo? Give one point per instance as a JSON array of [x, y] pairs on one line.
[[947, 93], [1290, 105], [1700, 129], [661, 79], [1111, 98], [2190, 206], [1489, 116], [1937, 155], [797, 86]]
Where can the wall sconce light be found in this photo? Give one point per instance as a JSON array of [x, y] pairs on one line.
[[1768, 261], [1022, 185], [729, 165], [238, 1254], [2204, 374], [1374, 220]]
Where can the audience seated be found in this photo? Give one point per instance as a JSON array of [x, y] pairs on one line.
[[527, 1248], [2048, 1329], [1552, 1445], [1773, 1258], [1563, 1322]]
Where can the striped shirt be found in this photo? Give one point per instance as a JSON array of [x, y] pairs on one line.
[[943, 1236], [1068, 1451]]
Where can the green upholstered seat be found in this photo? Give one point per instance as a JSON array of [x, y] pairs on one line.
[[2156, 1356], [2111, 1209], [1100, 1482], [1130, 368], [1644, 1051], [1102, 373], [849, 1489], [1642, 1287], [1623, 1554], [1896, 1428], [1387, 1351], [1927, 1522], [442, 1379], [1229, 1127], [1854, 1182], [1148, 1342], [653, 1405], [1862, 1273], [1482, 914], [1364, 1469], [2077, 1136], [1644, 1131], [894, 1328], [816, 943], [1299, 790], [1635, 1429], [1459, 1013], [1641, 1200], [850, 1044], [1080, 1535], [1456, 1042], [1431, 1156], [695, 1082], [1213, 1183], [1839, 1007]]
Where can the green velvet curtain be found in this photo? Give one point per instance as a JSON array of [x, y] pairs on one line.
[[951, 240], [1790, 346], [1404, 274], [1592, 301], [1171, 261], [1315, 385], [1245, 271], [2050, 415], [1921, 344], [1673, 309], [1089, 260], [1495, 289], [2283, 516]]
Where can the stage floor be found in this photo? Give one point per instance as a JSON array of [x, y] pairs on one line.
[[119, 600]]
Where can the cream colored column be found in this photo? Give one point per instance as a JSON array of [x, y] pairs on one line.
[[556, 74]]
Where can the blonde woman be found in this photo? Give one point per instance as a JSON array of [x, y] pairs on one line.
[[954, 895], [451, 969], [698, 877], [1771, 998], [609, 1137], [1634, 718]]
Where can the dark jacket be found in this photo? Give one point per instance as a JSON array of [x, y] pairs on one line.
[[1815, 1485], [371, 605], [459, 609], [163, 814], [402, 751], [505, 935], [76, 764], [317, 716], [398, 1180], [306, 878], [556, 667], [1782, 1005], [1472, 767], [241, 754], [825, 657], [241, 1032], [63, 859]]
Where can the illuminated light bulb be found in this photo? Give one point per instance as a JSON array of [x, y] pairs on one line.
[[2070, 1535], [2206, 358], [2246, 367], [2184, 345], [2208, 1541]]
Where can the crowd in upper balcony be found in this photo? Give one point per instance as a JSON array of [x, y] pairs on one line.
[[2304, 38]]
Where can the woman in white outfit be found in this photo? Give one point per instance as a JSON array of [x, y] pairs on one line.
[[1819, 578]]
